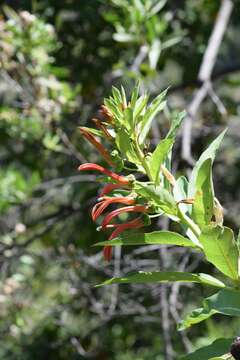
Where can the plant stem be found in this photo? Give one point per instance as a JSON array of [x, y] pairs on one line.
[[142, 159], [187, 221]]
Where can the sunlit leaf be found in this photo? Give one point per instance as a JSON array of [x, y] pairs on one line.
[[156, 237], [125, 146], [116, 95], [202, 210], [158, 157], [195, 317], [209, 153], [220, 249], [225, 302], [154, 53], [180, 192], [175, 124], [158, 196], [218, 348], [134, 96], [156, 106], [163, 277]]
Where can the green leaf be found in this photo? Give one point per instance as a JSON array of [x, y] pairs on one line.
[[116, 95], [128, 117], [217, 348], [238, 241], [180, 192], [220, 249], [158, 196], [95, 132], [156, 237], [209, 153], [154, 108], [176, 123], [124, 98], [114, 109], [154, 53], [158, 157], [225, 302], [202, 210], [134, 96], [123, 37], [164, 277], [140, 106], [125, 146], [195, 317], [156, 8]]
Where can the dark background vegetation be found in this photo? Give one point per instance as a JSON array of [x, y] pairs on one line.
[[56, 67]]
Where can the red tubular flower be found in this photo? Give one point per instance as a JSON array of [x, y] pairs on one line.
[[106, 113], [87, 134], [102, 205], [103, 128], [118, 178], [134, 224], [112, 214], [107, 253]]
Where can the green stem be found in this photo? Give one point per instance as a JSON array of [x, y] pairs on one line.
[[187, 221], [142, 159]]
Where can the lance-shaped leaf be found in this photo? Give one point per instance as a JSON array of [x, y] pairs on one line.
[[134, 95], [158, 196], [125, 146], [180, 193], [128, 119], [195, 317], [153, 238], [154, 53], [154, 108], [145, 277], [202, 210], [220, 249], [158, 157], [214, 351], [175, 124], [117, 95], [209, 153], [226, 302], [118, 116], [140, 106], [94, 131]]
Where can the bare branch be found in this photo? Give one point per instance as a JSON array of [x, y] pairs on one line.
[[204, 76]]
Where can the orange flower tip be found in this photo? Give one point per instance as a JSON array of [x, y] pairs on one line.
[[186, 201], [168, 175], [82, 167], [106, 112], [89, 166]]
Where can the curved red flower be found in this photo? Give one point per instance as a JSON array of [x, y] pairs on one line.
[[89, 136], [106, 113], [134, 224], [118, 178], [103, 128], [114, 213], [102, 205]]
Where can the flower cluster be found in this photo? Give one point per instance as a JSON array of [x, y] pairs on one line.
[[116, 182]]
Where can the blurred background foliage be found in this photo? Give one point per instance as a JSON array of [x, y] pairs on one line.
[[58, 60]]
